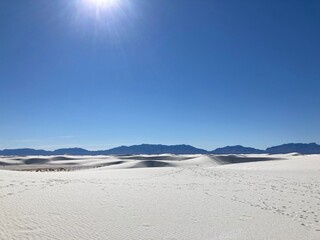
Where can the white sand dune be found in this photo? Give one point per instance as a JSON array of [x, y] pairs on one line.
[[161, 197]]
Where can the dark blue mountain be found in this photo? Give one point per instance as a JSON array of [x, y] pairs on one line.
[[303, 148], [72, 151], [23, 152], [238, 149], [155, 149], [311, 148], [123, 150]]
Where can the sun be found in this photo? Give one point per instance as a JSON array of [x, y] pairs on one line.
[[105, 15], [102, 4]]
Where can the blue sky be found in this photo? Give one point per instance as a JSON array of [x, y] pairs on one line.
[[208, 73]]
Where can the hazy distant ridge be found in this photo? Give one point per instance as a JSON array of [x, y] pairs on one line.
[[303, 148], [238, 149], [155, 149]]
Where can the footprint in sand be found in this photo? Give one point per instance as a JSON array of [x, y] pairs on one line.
[[146, 225], [244, 218]]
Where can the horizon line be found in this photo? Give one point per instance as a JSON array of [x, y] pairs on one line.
[[84, 148]]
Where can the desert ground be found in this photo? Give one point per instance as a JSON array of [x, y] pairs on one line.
[[160, 197]]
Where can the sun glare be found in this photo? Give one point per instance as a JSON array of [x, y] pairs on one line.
[[102, 4], [105, 17]]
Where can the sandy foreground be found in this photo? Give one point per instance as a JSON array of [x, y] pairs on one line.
[[160, 197]]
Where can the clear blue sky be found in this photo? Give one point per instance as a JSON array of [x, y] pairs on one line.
[[207, 73]]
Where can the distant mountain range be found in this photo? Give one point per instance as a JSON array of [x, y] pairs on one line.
[[155, 149], [238, 149], [302, 148], [311, 148]]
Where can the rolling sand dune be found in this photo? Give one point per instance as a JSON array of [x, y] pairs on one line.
[[161, 197]]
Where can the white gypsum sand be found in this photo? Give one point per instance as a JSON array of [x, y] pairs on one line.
[[160, 197]]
